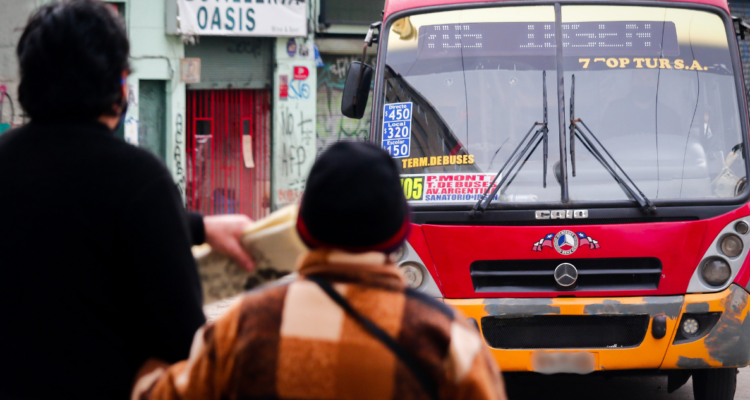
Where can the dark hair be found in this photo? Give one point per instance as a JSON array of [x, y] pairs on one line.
[[72, 55]]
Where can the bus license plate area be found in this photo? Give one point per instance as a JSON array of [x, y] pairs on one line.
[[557, 362]]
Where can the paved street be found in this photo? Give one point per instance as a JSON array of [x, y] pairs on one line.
[[217, 309], [568, 387]]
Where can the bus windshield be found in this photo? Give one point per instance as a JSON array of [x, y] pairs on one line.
[[656, 86]]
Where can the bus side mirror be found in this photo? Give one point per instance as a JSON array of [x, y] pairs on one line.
[[740, 27], [356, 90]]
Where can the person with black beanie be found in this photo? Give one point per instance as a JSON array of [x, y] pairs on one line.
[[351, 205], [96, 272], [348, 327]]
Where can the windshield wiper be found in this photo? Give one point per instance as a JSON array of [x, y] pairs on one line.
[[575, 131], [541, 135]]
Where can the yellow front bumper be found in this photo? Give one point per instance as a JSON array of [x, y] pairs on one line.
[[726, 345]]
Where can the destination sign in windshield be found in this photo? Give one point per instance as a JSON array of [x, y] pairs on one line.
[[646, 38]]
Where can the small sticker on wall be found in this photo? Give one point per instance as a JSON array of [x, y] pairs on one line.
[[247, 145], [397, 129], [291, 47], [283, 87], [131, 130], [301, 73]]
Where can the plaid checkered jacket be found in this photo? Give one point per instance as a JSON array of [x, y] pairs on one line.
[[293, 342]]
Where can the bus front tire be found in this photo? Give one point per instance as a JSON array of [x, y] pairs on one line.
[[714, 384]]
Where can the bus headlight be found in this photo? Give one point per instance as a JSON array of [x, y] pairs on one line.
[[715, 271], [413, 273], [399, 254], [723, 259], [731, 246]]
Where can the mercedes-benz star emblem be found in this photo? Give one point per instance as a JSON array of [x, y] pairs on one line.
[[566, 275]]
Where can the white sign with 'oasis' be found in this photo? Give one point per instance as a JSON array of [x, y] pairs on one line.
[[243, 17]]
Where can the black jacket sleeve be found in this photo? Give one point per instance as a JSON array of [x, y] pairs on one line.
[[197, 229], [166, 286]]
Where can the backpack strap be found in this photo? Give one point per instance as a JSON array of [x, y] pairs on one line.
[[397, 349]]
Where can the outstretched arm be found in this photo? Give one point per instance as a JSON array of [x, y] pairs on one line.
[[223, 234]]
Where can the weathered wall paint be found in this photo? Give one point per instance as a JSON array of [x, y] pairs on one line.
[[293, 141], [156, 55], [131, 117], [13, 18]]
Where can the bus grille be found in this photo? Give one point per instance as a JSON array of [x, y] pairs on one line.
[[594, 274], [565, 331]]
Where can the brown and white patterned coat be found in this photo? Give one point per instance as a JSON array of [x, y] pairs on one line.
[[293, 342]]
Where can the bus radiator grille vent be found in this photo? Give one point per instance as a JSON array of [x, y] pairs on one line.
[[594, 274], [565, 331]]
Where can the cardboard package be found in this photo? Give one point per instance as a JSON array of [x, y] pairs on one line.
[[275, 246]]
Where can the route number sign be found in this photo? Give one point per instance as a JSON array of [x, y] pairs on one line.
[[397, 129]]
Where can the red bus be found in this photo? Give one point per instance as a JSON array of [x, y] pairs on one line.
[[577, 173]]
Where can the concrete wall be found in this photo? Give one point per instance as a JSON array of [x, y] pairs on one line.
[[13, 19], [293, 138], [156, 55]]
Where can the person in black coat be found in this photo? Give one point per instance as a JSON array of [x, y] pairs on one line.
[[96, 273]]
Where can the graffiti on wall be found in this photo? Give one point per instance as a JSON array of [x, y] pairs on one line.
[[332, 126], [297, 137], [131, 122], [294, 121], [177, 153], [7, 109]]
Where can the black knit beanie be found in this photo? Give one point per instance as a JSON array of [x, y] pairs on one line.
[[353, 201]]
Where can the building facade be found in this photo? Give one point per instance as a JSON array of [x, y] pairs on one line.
[[340, 28], [237, 98], [201, 97], [155, 118], [218, 91], [239, 68]]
